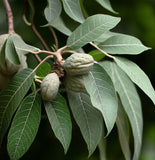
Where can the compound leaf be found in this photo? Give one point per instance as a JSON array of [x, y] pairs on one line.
[[59, 118], [123, 133], [10, 51], [123, 44], [130, 101], [137, 76], [102, 94], [11, 97], [73, 10], [106, 4], [24, 126], [53, 10], [91, 29], [87, 117]]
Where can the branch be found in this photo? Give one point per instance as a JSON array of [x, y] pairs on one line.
[[48, 57], [40, 37], [31, 22], [57, 54], [9, 17], [55, 37], [108, 55]]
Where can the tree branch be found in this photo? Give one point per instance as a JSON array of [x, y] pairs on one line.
[[108, 55], [9, 17], [55, 37]]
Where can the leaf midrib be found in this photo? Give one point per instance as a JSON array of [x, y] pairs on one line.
[[85, 35], [24, 125]]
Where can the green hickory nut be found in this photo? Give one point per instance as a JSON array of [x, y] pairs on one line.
[[50, 86], [74, 83], [78, 64], [9, 68]]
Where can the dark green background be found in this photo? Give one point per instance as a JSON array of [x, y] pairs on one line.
[[138, 19]]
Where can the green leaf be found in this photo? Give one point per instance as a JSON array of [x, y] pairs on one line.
[[24, 126], [87, 117], [53, 10], [122, 126], [11, 97], [2, 54], [91, 29], [130, 101], [137, 76], [10, 51], [97, 55], [106, 4], [60, 26], [123, 44], [21, 46], [43, 69], [102, 94], [105, 36], [73, 10], [59, 118]]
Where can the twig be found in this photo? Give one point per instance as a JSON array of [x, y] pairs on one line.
[[48, 57], [31, 23], [40, 37], [38, 58], [9, 17], [69, 51], [37, 80], [55, 37], [57, 54], [108, 55]]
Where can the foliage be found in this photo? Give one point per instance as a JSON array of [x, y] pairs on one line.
[[109, 96]]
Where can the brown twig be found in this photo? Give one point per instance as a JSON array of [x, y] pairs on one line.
[[40, 37], [37, 57], [108, 55], [57, 54], [69, 51], [55, 37], [48, 57], [9, 17]]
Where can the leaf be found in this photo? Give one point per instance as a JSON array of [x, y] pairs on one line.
[[43, 69], [137, 76], [24, 126], [10, 51], [97, 55], [130, 101], [91, 29], [87, 117], [122, 126], [123, 44], [102, 94], [106, 4], [59, 118], [11, 97], [21, 46], [53, 10], [105, 36], [73, 10], [60, 26]]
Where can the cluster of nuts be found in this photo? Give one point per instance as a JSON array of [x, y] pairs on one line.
[[9, 69], [75, 66]]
